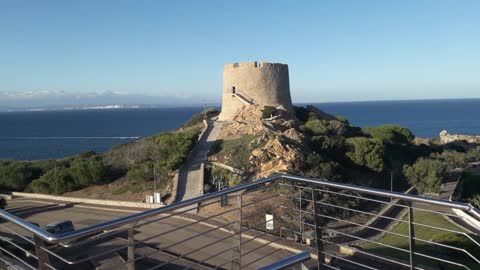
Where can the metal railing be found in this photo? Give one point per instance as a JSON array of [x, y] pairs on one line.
[[243, 97], [258, 224]]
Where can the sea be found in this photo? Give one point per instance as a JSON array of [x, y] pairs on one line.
[[32, 135]]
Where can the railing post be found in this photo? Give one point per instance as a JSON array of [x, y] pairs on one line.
[[131, 248], [237, 237], [42, 255], [411, 235], [318, 232], [3, 265]]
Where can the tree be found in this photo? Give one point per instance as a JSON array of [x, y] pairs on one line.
[[331, 146], [427, 175], [320, 169], [366, 152], [391, 134], [88, 171], [17, 175], [473, 155], [453, 158], [316, 127]]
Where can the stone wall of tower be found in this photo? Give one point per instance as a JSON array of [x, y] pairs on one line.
[[262, 83]]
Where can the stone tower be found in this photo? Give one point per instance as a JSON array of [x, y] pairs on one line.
[[260, 83]]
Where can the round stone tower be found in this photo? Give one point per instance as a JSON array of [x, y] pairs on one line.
[[260, 83]]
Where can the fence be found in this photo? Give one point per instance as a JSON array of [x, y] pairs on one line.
[[266, 223]]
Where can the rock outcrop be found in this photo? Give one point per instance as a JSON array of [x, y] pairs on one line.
[[445, 138], [278, 139]]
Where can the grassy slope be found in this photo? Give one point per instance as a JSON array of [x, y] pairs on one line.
[[421, 232]]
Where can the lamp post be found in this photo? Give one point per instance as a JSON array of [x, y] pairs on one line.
[[154, 180], [391, 184]]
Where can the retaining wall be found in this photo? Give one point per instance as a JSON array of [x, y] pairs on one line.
[[86, 200]]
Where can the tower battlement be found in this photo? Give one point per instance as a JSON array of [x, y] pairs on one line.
[[261, 83], [254, 65]]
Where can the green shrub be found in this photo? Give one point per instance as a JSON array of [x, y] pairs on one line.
[[454, 240], [342, 119], [236, 152], [427, 175], [141, 172], [71, 174], [17, 175], [319, 168], [391, 134], [473, 155], [301, 113], [316, 127], [366, 152], [230, 178], [475, 200], [331, 146], [453, 158], [268, 111]]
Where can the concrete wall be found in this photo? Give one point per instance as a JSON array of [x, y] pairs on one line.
[[85, 200], [261, 83]]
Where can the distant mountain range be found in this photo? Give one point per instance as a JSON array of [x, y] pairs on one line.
[[60, 100]]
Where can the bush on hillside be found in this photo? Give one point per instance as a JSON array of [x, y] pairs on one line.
[[268, 111], [473, 155], [453, 158], [316, 127], [236, 152], [391, 134], [169, 148], [17, 175], [330, 146], [366, 152], [475, 200], [301, 113], [72, 174], [427, 175], [319, 168]]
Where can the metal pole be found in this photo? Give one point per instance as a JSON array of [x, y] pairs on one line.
[[391, 184], [131, 248], [411, 236], [318, 232], [237, 237], [42, 255], [300, 223], [154, 181], [56, 180]]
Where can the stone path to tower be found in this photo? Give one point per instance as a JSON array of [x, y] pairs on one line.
[[190, 173]]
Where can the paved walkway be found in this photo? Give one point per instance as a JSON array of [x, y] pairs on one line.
[[190, 173]]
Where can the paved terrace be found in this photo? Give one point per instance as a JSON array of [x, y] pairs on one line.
[[44, 212]]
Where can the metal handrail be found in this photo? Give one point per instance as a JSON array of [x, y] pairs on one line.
[[288, 262], [115, 223]]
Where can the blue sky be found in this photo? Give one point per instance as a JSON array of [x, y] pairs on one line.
[[336, 50]]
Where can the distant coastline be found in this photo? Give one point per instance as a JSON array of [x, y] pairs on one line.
[[104, 106]]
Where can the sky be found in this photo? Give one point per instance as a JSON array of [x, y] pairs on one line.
[[336, 50]]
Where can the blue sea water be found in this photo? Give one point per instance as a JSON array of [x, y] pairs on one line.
[[56, 134]]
